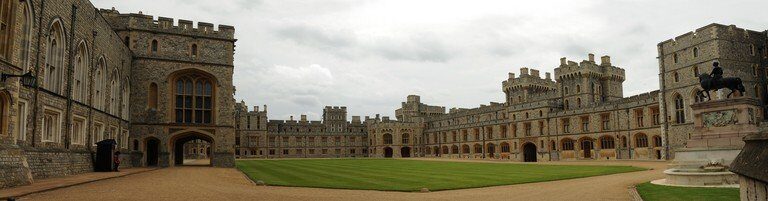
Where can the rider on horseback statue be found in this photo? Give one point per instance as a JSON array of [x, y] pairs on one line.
[[715, 81], [717, 74]]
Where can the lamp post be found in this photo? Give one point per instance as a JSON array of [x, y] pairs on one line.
[[27, 79]]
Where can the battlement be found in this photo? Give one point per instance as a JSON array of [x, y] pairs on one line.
[[709, 32], [164, 24], [335, 107], [413, 99], [547, 95], [529, 78], [242, 107], [605, 69], [640, 100]]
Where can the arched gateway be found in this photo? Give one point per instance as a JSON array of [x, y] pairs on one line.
[[529, 152], [152, 149], [387, 152], [405, 152], [178, 141]]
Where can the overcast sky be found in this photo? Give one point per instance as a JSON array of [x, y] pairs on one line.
[[368, 55]]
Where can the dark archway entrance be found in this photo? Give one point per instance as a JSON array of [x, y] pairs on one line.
[[491, 150], [587, 146], [405, 152], [180, 140], [387, 152], [152, 148], [529, 152]]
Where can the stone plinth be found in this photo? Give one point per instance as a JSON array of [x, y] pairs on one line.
[[719, 127]]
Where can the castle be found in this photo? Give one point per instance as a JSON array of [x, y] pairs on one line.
[[150, 84], [579, 113], [162, 88]]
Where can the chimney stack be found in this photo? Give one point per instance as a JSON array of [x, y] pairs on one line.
[[605, 60], [303, 117], [255, 108], [265, 108], [523, 71], [592, 57], [291, 117], [562, 61], [548, 76], [535, 73]]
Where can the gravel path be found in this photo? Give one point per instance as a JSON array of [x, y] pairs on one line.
[[206, 183]]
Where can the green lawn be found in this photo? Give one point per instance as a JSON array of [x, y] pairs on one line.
[[652, 192], [410, 175]]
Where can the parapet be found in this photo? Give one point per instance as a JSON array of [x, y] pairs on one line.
[[164, 24], [530, 78], [588, 67], [709, 32], [414, 98]]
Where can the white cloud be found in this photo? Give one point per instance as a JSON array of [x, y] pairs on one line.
[[298, 56]]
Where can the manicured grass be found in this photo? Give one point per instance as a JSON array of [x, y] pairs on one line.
[[652, 192], [410, 175]]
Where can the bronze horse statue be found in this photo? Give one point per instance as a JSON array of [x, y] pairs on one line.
[[732, 83]]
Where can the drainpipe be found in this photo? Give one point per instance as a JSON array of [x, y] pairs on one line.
[[629, 134], [70, 71], [37, 72], [663, 101], [90, 97], [483, 137]]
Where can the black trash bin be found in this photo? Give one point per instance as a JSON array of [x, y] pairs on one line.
[[104, 150]]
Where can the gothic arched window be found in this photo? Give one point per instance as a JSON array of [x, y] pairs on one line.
[[98, 84], [26, 35], [154, 47], [679, 109], [695, 52], [54, 57], [80, 84], [152, 102], [194, 99], [6, 28], [114, 93], [194, 50], [387, 138]]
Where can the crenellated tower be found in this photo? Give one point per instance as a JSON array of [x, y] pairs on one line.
[[529, 84], [335, 118], [588, 82]]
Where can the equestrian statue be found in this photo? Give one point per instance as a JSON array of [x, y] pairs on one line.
[[715, 81]]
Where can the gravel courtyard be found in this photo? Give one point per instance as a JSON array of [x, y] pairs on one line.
[[206, 183]]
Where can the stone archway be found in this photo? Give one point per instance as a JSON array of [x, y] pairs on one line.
[[529, 152], [587, 145], [405, 152], [177, 145], [491, 150], [152, 149], [387, 152]]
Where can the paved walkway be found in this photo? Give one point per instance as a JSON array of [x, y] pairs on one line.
[[207, 183], [62, 182]]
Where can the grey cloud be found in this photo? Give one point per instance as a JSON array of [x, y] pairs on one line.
[[414, 49], [305, 100], [314, 37]]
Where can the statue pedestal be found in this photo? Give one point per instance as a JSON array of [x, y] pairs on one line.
[[719, 127]]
